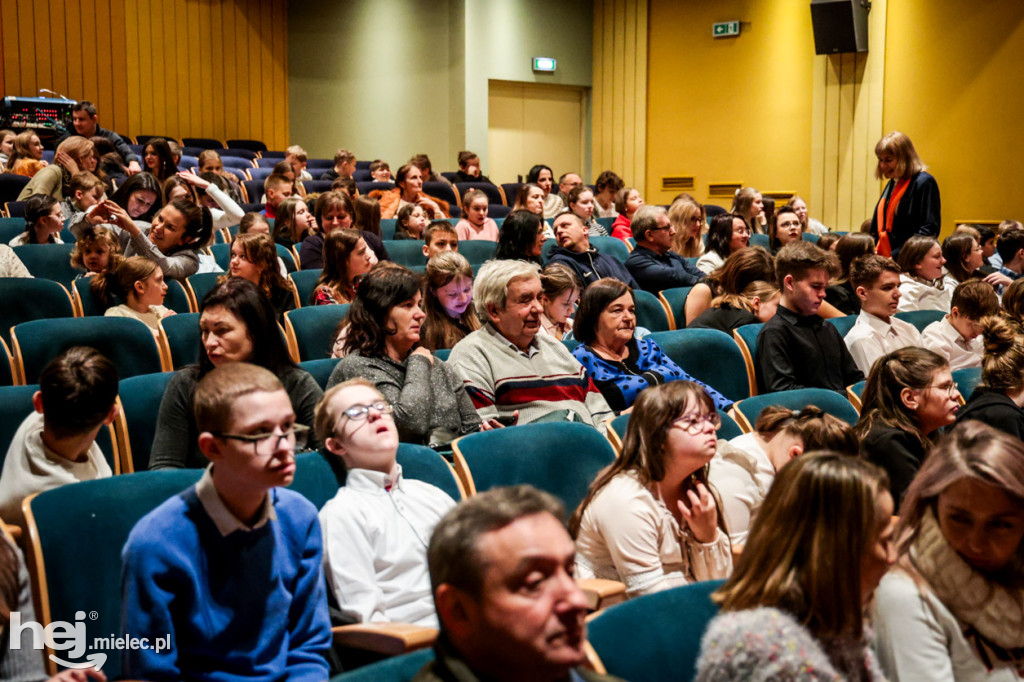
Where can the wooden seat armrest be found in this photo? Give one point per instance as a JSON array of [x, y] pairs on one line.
[[602, 593], [389, 639]]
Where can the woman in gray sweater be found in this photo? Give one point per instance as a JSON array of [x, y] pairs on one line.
[[382, 345]]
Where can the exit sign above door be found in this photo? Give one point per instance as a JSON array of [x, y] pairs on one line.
[[725, 29]]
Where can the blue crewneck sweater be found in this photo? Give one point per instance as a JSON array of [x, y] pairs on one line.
[[249, 605]]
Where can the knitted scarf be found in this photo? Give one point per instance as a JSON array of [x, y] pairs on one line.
[[992, 615]]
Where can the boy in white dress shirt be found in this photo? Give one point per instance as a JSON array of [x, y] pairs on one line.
[[876, 281], [376, 529], [957, 335]]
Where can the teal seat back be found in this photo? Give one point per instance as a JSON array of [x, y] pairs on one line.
[[126, 342], [858, 389], [748, 333], [83, 289], [49, 261], [676, 298], [709, 355], [830, 402], [222, 254], [305, 282], [760, 240], [11, 228], [183, 338], [649, 311], [314, 327], [320, 369], [477, 251], [561, 458], [140, 403], [285, 254], [6, 368], [810, 237], [387, 229], [397, 669], [442, 353], [23, 299], [97, 515], [728, 430], [611, 246], [843, 324], [921, 318], [655, 638], [606, 223], [177, 298], [967, 379], [423, 464], [201, 285], [407, 252]]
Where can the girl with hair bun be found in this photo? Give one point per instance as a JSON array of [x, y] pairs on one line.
[[139, 284], [952, 608], [999, 400], [746, 466]]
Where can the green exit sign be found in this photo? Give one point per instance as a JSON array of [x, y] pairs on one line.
[[725, 29]]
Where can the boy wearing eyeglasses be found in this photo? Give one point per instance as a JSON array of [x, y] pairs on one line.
[[376, 529], [229, 571]]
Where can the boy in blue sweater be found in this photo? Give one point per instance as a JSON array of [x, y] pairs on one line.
[[230, 569]]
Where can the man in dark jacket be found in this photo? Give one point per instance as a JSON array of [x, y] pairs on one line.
[[653, 263], [586, 261], [86, 122]]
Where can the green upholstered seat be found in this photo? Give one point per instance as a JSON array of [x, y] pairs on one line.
[[613, 246], [477, 251], [49, 261], [709, 355], [127, 342], [829, 401], [746, 340], [560, 457], [675, 299], [311, 329], [650, 314], [407, 252], [655, 638], [398, 669], [843, 324], [320, 369], [967, 380], [305, 282], [182, 338], [921, 318], [26, 298], [136, 425]]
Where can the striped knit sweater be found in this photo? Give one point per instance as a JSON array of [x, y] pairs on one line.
[[500, 379]]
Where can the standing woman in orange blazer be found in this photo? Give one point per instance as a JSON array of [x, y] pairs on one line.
[[909, 204]]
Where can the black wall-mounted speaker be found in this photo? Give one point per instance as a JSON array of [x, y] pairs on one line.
[[840, 26]]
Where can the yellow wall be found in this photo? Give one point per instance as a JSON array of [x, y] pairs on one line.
[[185, 68], [953, 84], [729, 109]]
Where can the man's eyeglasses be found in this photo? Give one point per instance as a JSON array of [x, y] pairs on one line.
[[265, 443], [358, 413], [694, 423]]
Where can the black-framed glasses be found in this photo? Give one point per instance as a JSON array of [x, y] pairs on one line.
[[297, 433], [694, 423], [358, 413]]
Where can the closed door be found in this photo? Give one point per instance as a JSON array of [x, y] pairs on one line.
[[530, 124]]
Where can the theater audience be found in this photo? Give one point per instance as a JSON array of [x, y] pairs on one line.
[[653, 263], [380, 171], [560, 291], [783, 614], [382, 345], [96, 251], [254, 258], [138, 284], [877, 332], [651, 520], [921, 285], [6, 148], [740, 270], [998, 400], [687, 218], [580, 201], [841, 292], [727, 235], [159, 159], [376, 528], [758, 302], [209, 161], [808, 224], [447, 302], [910, 203], [797, 348], [608, 184], [500, 568], [575, 250], [507, 367], [521, 237], [627, 202], [530, 197], [440, 237], [620, 365], [231, 568], [909, 395], [344, 166], [1011, 251], [744, 469], [56, 444], [951, 607], [84, 191], [409, 190], [224, 210], [297, 157], [541, 176], [567, 182], [748, 204], [294, 222], [74, 155], [784, 228], [140, 196], [277, 188], [237, 324], [475, 224], [410, 222], [956, 337], [44, 219], [27, 157], [347, 258], [469, 169]]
